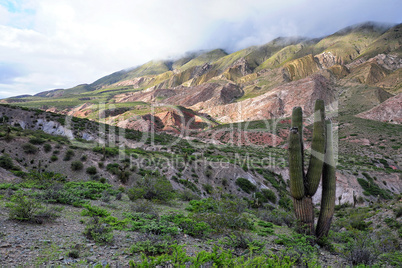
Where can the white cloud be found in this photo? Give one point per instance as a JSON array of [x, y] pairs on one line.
[[67, 42]]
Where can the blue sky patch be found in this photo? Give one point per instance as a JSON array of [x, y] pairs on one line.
[[8, 72], [12, 6]]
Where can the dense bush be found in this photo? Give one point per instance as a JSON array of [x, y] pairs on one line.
[[36, 140], [192, 227], [245, 185], [269, 195], [107, 151], [242, 241], [7, 163], [152, 188], [398, 211], [299, 247], [208, 188], [77, 165], [74, 193], [217, 258], [277, 217], [113, 168], [47, 147], [100, 232], [370, 187], [29, 148], [152, 245], [188, 195], [93, 211], [23, 208], [69, 154], [190, 185], [91, 170], [147, 223], [222, 215], [360, 251]]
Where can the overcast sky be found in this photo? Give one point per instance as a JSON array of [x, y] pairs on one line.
[[48, 44]]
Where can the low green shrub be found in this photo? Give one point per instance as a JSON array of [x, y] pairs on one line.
[[77, 165], [91, 170], [398, 211], [150, 224], [6, 162], [152, 188], [299, 247], [246, 185], [23, 208], [208, 188], [360, 251], [99, 232], [93, 211], [75, 254], [47, 147], [392, 223], [191, 227], [277, 217], [74, 193], [37, 140], [373, 189], [188, 195], [269, 195], [153, 245], [115, 223], [107, 151], [203, 205], [217, 258], [29, 148], [243, 241], [69, 154], [113, 168], [190, 185]]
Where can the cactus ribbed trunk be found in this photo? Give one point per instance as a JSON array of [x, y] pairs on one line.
[[304, 212], [304, 186], [328, 188]]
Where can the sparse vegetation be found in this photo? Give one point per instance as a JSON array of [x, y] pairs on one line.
[[196, 202]]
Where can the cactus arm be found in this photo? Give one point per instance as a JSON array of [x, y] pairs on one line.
[[296, 171], [295, 165], [297, 122], [328, 187], [317, 149]]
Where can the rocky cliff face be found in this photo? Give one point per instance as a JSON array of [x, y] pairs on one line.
[[301, 68], [277, 103], [389, 111], [328, 59], [209, 94], [28, 120]]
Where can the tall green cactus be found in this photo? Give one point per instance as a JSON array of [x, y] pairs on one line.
[[304, 185]]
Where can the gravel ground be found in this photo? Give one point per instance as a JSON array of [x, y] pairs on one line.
[[48, 244]]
